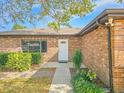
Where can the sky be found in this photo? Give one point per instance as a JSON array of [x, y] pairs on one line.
[[76, 22], [101, 6]]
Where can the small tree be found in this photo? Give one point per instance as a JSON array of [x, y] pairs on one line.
[[61, 11], [77, 60]]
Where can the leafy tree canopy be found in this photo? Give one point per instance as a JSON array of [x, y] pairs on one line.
[[120, 1], [18, 26], [61, 11]]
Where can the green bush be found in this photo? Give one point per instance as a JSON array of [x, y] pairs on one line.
[[82, 86], [77, 59], [3, 58], [36, 58], [19, 61], [82, 83], [87, 75]]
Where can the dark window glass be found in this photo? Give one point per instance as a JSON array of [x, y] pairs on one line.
[[34, 46], [34, 43], [43, 46], [63, 42], [25, 46], [25, 43]]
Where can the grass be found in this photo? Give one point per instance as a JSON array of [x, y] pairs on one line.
[[39, 82], [25, 85]]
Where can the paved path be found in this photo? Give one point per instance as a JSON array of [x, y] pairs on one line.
[[61, 81], [57, 65]]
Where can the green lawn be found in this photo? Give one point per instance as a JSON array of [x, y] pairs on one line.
[[26, 85]]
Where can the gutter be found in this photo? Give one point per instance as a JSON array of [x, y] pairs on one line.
[[101, 18], [109, 29], [108, 26], [88, 29]]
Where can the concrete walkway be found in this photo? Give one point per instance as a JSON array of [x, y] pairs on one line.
[[62, 77], [61, 81], [58, 65]]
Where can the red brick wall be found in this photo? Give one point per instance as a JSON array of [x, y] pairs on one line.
[[95, 50], [118, 56], [13, 43], [94, 46]]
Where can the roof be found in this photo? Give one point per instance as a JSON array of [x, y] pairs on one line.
[[63, 31], [100, 19]]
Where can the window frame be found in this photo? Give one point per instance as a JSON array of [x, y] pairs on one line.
[[40, 41]]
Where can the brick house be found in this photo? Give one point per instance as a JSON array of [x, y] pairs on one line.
[[101, 42]]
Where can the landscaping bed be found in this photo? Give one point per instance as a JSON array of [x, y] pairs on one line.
[[84, 80], [97, 81]]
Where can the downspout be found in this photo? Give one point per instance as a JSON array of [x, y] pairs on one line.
[[109, 25]]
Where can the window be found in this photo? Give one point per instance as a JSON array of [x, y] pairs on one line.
[[34, 46], [43, 46], [63, 42]]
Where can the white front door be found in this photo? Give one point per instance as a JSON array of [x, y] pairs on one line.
[[63, 50]]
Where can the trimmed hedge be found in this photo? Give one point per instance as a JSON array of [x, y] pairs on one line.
[[19, 61], [3, 58], [36, 58]]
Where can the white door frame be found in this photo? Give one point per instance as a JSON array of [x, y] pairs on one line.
[[63, 50]]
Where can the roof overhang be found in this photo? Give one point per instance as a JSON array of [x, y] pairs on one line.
[[33, 34], [42, 32], [102, 18]]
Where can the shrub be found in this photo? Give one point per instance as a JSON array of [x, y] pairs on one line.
[[82, 83], [36, 58], [19, 61], [77, 59], [87, 75], [3, 58], [82, 86]]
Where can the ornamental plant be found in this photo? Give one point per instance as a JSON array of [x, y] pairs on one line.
[[77, 60], [3, 58], [82, 83], [36, 58]]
